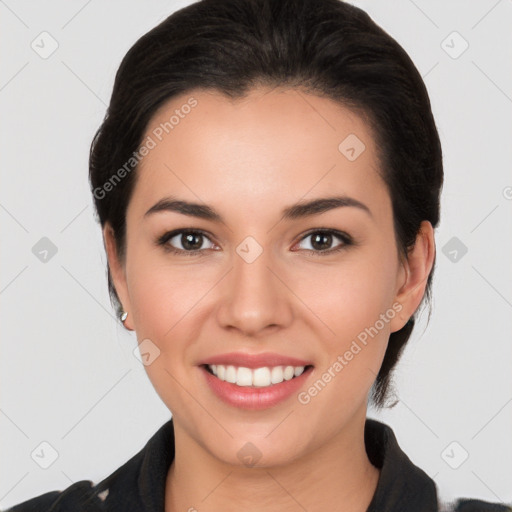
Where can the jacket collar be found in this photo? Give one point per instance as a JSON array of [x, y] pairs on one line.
[[401, 485]]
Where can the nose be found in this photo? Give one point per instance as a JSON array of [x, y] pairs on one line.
[[255, 299]]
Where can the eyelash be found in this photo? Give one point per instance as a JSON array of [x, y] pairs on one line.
[[344, 237]]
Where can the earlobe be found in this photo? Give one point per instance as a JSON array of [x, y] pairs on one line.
[[117, 272], [416, 269]]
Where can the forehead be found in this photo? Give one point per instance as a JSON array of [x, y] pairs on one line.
[[271, 146]]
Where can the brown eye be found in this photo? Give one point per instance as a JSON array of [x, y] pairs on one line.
[[184, 242], [190, 241], [322, 241]]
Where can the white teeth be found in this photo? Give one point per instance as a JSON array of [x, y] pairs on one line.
[[288, 372], [277, 375], [261, 377], [243, 377], [258, 377], [231, 374]]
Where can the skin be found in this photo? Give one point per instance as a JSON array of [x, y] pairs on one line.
[[249, 159]]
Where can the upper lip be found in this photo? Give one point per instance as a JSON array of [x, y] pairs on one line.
[[254, 360]]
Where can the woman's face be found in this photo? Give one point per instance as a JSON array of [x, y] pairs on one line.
[[261, 281]]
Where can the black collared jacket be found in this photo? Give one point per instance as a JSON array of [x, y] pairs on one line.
[[139, 484]]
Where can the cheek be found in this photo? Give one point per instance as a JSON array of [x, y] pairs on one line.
[[163, 296], [352, 295], [166, 302], [355, 304]]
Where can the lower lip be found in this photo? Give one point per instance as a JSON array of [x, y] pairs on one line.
[[247, 397]]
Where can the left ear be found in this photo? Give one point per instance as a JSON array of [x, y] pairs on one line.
[[414, 273]]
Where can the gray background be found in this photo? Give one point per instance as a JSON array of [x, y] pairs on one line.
[[68, 373]]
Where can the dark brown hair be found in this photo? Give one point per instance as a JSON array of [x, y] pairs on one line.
[[324, 47]]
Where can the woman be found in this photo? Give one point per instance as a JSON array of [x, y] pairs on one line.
[[267, 179]]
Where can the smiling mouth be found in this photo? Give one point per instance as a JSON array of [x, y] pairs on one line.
[[257, 377]]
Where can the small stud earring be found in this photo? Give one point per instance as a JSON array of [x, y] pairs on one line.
[[123, 316]]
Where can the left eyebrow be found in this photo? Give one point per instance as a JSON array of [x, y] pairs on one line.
[[296, 211], [321, 205]]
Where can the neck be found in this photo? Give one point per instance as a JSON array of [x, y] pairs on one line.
[[337, 473]]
